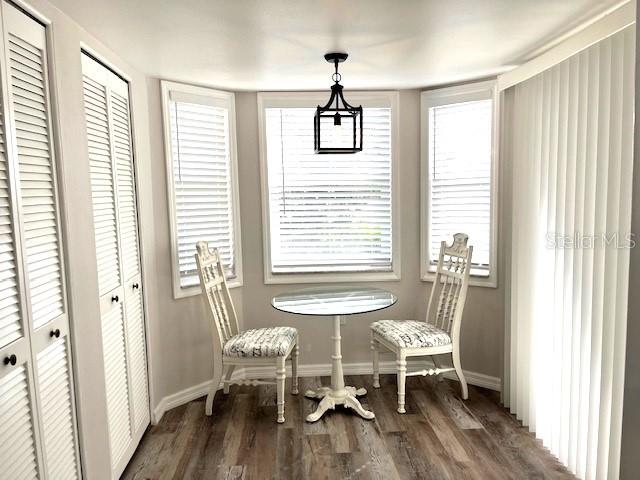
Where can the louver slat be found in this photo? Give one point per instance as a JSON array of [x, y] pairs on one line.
[[113, 344], [56, 409], [100, 167], [18, 454], [37, 188], [127, 213], [10, 317], [328, 213], [137, 357], [202, 184]]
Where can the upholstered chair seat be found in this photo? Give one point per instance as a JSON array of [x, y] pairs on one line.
[[261, 342], [411, 333]]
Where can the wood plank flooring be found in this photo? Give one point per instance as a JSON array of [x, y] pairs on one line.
[[440, 437]]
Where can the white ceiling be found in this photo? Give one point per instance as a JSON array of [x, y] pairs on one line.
[[279, 44]]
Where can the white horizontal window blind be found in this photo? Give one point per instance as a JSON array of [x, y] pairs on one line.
[[328, 213], [460, 154], [201, 172]]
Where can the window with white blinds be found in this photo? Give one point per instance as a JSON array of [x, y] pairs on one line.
[[458, 164], [330, 213], [201, 170]]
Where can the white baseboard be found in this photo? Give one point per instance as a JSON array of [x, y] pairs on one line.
[[313, 370], [179, 398]]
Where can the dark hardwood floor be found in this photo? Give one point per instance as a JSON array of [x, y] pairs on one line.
[[440, 437]]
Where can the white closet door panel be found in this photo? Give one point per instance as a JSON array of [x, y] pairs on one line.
[[37, 412], [137, 355], [115, 218], [10, 313], [102, 185], [127, 211], [116, 375], [57, 413], [36, 180], [18, 455]]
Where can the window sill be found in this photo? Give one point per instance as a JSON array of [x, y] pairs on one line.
[[330, 277], [179, 293]]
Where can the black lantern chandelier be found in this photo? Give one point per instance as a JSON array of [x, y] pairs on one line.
[[337, 125]]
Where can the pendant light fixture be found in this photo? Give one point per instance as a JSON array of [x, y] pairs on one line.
[[337, 125]]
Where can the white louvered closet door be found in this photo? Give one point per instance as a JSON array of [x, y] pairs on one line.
[[130, 254], [37, 393], [117, 249], [17, 394]]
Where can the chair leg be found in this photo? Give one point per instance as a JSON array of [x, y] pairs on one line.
[[227, 376], [458, 367], [215, 383], [294, 370], [208, 408], [281, 375], [437, 364], [376, 363], [402, 377]]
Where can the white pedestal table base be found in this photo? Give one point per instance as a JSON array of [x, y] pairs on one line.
[[338, 393]]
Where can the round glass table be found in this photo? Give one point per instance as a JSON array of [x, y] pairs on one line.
[[335, 302]]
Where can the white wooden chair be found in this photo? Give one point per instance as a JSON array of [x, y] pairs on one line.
[[261, 346], [411, 338]]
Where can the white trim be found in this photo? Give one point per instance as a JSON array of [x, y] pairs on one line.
[[180, 398], [445, 96], [306, 99], [314, 370], [591, 32], [228, 98], [92, 52], [33, 12]]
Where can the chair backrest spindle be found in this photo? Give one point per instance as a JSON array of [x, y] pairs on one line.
[[216, 293], [452, 281]]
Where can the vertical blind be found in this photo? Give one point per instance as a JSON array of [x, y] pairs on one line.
[[572, 168], [328, 213], [460, 153], [202, 184]]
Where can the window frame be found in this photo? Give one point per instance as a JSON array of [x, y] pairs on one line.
[[166, 88], [446, 96], [311, 99]]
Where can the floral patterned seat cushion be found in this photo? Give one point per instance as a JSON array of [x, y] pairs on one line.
[[261, 342], [411, 333]]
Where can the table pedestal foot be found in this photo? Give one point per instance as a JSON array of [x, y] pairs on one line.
[[331, 398]]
